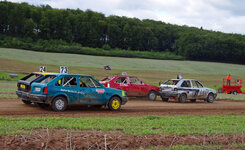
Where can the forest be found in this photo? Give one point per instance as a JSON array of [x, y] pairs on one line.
[[74, 28]]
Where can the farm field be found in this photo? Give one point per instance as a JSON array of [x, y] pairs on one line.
[[141, 124]]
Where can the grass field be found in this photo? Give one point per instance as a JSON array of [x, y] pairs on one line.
[[131, 125], [191, 67]]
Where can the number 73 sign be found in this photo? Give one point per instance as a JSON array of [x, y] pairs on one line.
[[63, 69]]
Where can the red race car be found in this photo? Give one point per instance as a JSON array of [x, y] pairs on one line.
[[132, 85]]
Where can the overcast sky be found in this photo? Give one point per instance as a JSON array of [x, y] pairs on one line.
[[218, 15]]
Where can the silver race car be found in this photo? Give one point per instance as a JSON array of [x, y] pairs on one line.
[[186, 89]]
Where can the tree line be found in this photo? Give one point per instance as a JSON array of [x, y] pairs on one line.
[[93, 29]]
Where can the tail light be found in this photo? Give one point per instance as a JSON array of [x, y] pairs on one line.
[[45, 90], [30, 88]]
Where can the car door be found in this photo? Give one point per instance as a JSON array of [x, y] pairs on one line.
[[134, 87], [195, 89], [202, 91], [90, 91], [68, 85], [186, 88], [122, 83]]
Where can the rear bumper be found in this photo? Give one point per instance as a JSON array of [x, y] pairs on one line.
[[124, 100], [34, 97]]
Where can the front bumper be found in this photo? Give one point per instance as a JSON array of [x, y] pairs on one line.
[[169, 94], [35, 98], [124, 100]]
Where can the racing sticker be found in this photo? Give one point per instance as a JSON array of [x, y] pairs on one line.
[[100, 91]]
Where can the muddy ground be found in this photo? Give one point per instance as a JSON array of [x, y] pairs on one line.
[[65, 139], [134, 107], [72, 139]]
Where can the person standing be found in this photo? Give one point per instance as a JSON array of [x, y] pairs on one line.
[[228, 78]]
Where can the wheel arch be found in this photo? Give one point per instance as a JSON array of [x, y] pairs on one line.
[[115, 95], [61, 95]]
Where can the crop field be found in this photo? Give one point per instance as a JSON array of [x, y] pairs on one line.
[[141, 124]]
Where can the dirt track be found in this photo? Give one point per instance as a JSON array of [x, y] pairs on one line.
[[15, 108]]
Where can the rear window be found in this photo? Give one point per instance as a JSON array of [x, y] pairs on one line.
[[171, 82], [31, 77], [47, 79]]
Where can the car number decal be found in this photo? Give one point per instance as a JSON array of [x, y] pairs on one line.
[[100, 91]]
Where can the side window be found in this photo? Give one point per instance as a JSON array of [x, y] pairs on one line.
[[199, 84], [133, 80], [194, 84], [121, 80], [67, 82], [186, 84], [88, 82]]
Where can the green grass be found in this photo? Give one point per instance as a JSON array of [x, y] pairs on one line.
[[192, 67], [5, 76], [231, 96], [131, 125]]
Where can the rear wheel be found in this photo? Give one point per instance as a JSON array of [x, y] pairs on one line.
[[26, 102], [59, 104], [152, 95], [210, 98], [182, 98], [115, 104], [235, 92]]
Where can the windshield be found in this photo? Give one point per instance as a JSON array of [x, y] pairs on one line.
[[171, 82]]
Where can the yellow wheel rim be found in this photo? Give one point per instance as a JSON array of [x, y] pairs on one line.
[[115, 104]]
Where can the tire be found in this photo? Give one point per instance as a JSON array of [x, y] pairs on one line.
[[182, 98], [114, 104], [59, 104], [235, 92], [152, 95], [193, 100], [42, 105], [26, 102], [210, 98]]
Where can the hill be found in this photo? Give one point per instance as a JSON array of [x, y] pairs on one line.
[[149, 70]]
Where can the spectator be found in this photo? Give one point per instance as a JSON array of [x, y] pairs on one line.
[[228, 78]]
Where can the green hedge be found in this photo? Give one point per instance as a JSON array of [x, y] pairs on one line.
[[60, 46]]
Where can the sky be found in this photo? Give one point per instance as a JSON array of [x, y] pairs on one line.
[[217, 15]]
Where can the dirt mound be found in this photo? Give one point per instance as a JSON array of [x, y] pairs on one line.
[[64, 139]]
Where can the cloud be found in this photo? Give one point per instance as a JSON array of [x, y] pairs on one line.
[[219, 15]]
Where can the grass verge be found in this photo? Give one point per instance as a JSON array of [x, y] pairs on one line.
[[130, 125]]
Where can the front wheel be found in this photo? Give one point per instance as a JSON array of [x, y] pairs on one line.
[[26, 102], [152, 95], [59, 104], [210, 98], [115, 104]]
